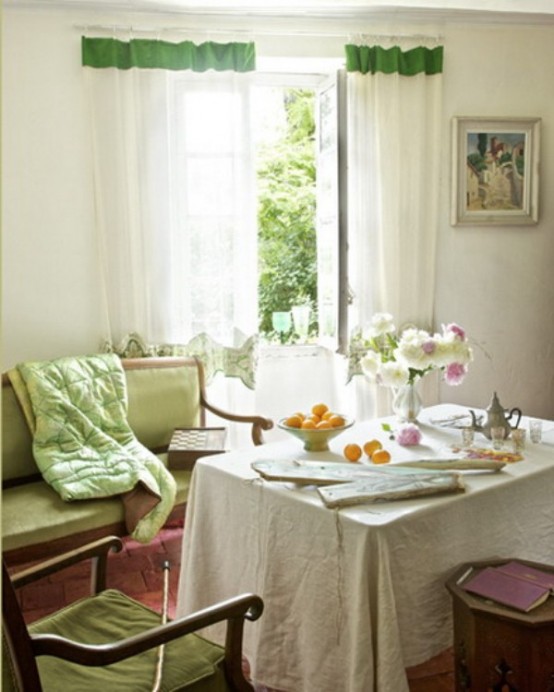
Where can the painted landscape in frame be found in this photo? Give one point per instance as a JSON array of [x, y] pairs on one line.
[[495, 177]]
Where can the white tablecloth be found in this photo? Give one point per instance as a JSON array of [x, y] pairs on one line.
[[354, 596]]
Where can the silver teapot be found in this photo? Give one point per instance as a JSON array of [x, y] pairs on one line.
[[497, 417]]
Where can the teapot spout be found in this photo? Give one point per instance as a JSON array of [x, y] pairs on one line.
[[474, 424]]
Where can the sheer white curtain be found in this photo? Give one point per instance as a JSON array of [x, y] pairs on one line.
[[175, 209], [130, 137], [175, 203], [214, 253], [394, 140]]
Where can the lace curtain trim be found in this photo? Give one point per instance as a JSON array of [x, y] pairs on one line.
[[238, 362]]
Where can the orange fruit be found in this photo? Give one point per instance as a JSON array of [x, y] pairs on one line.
[[381, 456], [293, 421], [319, 409], [327, 415], [300, 415], [308, 424], [323, 425], [336, 421], [372, 446], [314, 417], [352, 452]]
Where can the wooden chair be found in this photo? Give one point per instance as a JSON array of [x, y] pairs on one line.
[[110, 642]]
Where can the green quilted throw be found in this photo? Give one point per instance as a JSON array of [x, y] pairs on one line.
[[82, 442]]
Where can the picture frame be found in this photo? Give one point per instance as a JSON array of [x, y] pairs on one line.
[[495, 171]]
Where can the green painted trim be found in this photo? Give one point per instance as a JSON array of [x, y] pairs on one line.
[[154, 54], [374, 59]]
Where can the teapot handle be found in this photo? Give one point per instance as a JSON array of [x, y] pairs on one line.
[[518, 411]]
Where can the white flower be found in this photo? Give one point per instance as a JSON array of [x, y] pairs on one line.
[[393, 359], [416, 348], [370, 364], [393, 374], [382, 323], [451, 350]]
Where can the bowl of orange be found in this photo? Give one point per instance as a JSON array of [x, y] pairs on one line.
[[316, 428]]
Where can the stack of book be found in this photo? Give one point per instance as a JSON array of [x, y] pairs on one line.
[[513, 584]]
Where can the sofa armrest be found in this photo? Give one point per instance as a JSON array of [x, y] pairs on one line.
[[169, 392], [258, 423]]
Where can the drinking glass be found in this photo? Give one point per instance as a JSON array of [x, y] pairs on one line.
[[467, 437], [497, 437], [281, 321], [301, 319], [535, 430], [518, 439]]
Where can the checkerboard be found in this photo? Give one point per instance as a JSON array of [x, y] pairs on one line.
[[188, 444]]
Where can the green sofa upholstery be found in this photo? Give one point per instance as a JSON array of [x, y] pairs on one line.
[[163, 394]]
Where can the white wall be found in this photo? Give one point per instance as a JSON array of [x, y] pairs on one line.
[[49, 269], [496, 282]]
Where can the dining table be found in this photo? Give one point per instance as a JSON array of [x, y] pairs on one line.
[[354, 595]]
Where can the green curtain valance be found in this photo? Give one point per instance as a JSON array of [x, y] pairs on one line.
[[374, 59], [152, 54]]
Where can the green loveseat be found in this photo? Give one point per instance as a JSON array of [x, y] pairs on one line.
[[163, 394]]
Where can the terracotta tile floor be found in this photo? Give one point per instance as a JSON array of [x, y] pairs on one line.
[[137, 570]]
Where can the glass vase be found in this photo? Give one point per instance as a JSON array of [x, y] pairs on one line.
[[406, 403]]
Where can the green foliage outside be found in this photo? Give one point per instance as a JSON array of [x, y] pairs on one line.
[[286, 217]]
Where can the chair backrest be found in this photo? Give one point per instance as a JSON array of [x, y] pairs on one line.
[[19, 667]]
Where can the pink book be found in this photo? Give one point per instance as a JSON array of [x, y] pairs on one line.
[[537, 576], [511, 591]]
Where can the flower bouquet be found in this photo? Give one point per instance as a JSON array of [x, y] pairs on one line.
[[399, 359]]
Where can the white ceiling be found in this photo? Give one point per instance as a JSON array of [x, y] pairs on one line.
[[535, 11]]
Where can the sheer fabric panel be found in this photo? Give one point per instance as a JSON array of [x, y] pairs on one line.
[[176, 222], [394, 152]]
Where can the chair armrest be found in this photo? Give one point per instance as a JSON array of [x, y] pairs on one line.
[[234, 610], [97, 550], [259, 423]]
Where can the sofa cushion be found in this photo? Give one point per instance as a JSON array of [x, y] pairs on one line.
[[48, 517]]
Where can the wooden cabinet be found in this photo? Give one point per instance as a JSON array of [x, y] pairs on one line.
[[499, 649]]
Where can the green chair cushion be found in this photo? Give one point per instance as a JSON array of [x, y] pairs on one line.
[[190, 663]]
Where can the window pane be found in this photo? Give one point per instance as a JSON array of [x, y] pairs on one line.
[[210, 121]]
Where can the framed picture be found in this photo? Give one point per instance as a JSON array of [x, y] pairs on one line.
[[495, 171]]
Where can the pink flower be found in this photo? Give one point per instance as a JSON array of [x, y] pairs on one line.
[[454, 373], [457, 330], [408, 434], [428, 346]]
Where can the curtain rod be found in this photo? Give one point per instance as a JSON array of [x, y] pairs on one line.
[[250, 32]]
